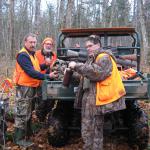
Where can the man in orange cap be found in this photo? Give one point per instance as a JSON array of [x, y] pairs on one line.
[[45, 55]]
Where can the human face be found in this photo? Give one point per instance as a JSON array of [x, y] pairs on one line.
[[30, 43], [91, 47], [48, 46]]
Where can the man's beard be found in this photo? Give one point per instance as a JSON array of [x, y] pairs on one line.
[[47, 50]]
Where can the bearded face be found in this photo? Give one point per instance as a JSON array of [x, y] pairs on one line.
[[48, 46]]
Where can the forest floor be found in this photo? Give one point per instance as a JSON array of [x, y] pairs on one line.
[[75, 143]]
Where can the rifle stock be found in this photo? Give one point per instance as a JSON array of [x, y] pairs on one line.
[[124, 60]]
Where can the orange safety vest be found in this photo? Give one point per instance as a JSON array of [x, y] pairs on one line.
[[110, 89], [41, 59], [21, 78]]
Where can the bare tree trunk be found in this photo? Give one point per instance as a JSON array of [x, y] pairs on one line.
[[104, 12], [69, 17], [1, 26], [11, 41], [146, 47], [69, 13], [61, 17], [23, 22], [113, 13], [135, 16], [37, 16]]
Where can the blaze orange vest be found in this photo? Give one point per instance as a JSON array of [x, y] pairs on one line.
[[41, 59], [21, 78], [112, 88]]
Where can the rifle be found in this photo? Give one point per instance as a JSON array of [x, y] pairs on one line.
[[131, 57], [81, 56]]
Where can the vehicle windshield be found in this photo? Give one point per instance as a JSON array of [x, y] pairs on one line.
[[111, 41]]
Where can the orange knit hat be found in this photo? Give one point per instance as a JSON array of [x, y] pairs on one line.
[[47, 39]]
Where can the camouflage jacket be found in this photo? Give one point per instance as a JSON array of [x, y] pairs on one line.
[[93, 72]]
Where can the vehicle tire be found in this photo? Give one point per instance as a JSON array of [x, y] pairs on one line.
[[57, 131], [138, 134]]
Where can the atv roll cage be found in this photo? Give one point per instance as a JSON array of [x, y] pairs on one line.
[[105, 33]]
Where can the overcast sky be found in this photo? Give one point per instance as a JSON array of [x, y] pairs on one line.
[[54, 2], [43, 3]]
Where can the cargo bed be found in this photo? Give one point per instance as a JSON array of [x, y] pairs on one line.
[[135, 89]]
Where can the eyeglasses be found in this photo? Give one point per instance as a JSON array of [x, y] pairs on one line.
[[89, 45], [48, 44]]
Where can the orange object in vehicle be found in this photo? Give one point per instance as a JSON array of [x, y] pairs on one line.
[[128, 73]]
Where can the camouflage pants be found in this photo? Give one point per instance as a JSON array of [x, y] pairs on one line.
[[92, 129], [23, 101]]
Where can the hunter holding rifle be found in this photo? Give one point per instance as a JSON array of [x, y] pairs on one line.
[[101, 91]]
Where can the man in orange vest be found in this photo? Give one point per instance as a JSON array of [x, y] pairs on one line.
[[46, 55], [102, 91], [27, 77]]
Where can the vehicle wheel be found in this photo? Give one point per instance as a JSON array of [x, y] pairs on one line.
[[138, 128], [57, 131]]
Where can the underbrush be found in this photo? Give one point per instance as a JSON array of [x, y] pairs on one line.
[[6, 68]]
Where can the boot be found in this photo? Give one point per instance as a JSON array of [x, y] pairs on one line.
[[29, 131], [20, 138], [19, 134]]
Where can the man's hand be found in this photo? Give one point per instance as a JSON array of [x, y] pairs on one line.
[[53, 75], [48, 61], [72, 64]]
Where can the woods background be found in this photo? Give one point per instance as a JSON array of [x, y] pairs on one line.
[[18, 17]]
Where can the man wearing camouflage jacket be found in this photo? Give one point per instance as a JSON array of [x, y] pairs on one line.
[[99, 77]]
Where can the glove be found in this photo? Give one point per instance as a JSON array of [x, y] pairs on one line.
[[72, 64]]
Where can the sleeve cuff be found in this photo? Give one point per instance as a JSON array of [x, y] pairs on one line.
[[47, 77]]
